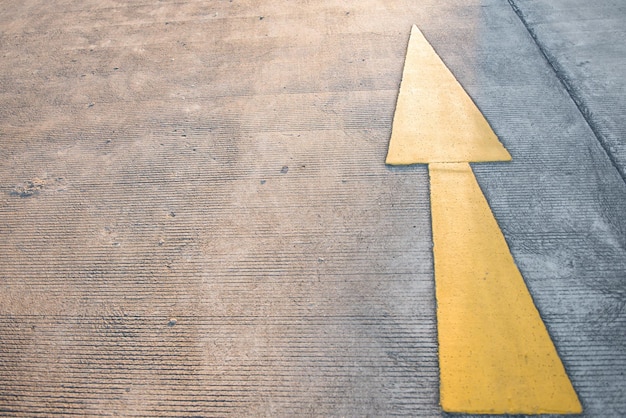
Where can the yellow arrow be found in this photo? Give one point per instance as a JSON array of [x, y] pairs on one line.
[[495, 354]]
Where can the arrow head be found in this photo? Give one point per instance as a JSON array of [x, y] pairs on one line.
[[435, 119]]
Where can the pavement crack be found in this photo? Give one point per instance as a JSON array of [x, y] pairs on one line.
[[562, 76]]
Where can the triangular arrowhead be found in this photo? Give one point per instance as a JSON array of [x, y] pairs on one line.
[[435, 119]]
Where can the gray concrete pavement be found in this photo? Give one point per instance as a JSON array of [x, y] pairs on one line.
[[222, 164], [584, 43]]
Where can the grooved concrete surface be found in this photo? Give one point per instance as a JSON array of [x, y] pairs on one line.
[[584, 42], [196, 218]]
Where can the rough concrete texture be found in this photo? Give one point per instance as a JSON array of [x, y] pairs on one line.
[[584, 43], [196, 218]]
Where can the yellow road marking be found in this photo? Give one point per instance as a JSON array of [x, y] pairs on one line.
[[435, 119], [495, 353]]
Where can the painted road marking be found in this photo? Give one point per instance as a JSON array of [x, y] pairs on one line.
[[435, 119], [495, 354]]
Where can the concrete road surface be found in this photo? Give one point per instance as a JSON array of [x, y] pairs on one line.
[[196, 219]]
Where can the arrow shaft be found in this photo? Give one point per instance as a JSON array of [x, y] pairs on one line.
[[495, 353]]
